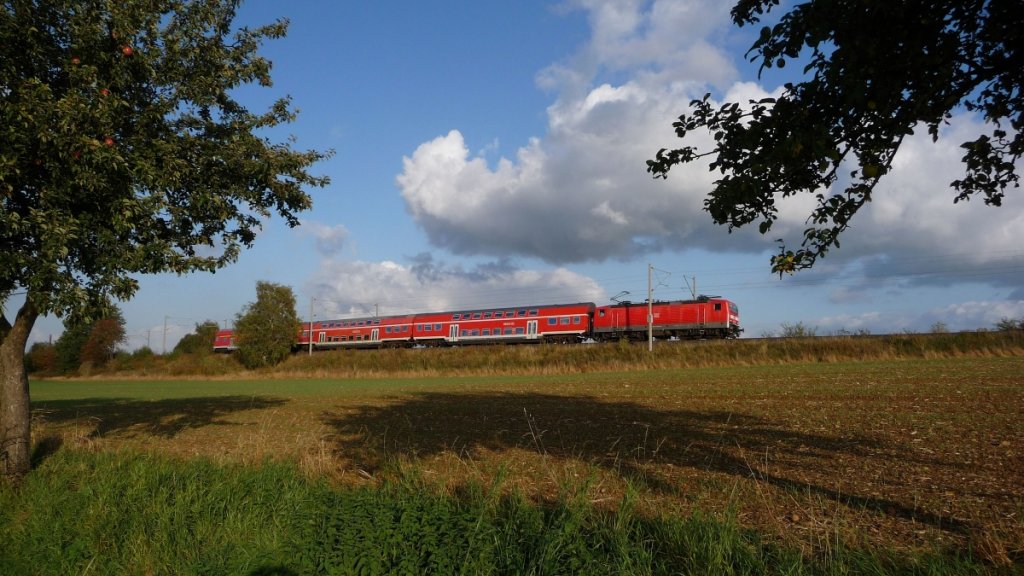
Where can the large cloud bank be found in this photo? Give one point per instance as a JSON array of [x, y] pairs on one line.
[[359, 288], [580, 192]]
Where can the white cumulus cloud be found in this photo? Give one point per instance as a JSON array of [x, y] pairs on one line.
[[328, 239], [580, 192], [358, 288]]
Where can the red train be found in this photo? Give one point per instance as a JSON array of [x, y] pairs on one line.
[[705, 317]]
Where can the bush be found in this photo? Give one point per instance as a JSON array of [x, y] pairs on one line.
[[41, 359]]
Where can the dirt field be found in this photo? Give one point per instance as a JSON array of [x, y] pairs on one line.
[[912, 454]]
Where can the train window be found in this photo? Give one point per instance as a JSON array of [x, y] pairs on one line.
[[465, 332], [499, 314], [487, 315], [733, 308], [564, 320], [718, 306], [576, 319], [455, 316], [601, 313], [520, 331], [509, 331], [552, 321], [486, 332], [521, 313], [405, 328], [437, 327], [534, 312], [476, 316]]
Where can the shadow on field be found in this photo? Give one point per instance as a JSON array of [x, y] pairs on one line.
[[163, 418], [632, 440]]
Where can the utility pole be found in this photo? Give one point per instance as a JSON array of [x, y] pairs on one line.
[[650, 308], [164, 353], [311, 299], [692, 287]]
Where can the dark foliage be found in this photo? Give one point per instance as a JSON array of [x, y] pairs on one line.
[[873, 73]]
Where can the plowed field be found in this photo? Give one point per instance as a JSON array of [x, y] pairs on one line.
[[908, 454]]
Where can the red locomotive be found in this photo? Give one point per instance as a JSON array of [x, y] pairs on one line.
[[705, 317]]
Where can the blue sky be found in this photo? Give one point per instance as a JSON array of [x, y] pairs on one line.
[[492, 153]]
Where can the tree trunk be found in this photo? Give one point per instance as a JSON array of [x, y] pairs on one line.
[[15, 416]]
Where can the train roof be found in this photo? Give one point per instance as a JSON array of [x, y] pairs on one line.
[[377, 319], [699, 300]]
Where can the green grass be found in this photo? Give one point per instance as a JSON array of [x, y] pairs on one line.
[[127, 513]]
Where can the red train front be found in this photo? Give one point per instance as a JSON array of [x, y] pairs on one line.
[[705, 317], [224, 341]]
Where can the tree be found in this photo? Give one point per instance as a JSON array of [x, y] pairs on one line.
[[91, 342], [266, 329], [1006, 324], [41, 359], [68, 347], [105, 335], [874, 72], [124, 151], [199, 342]]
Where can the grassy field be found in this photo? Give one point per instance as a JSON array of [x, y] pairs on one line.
[[909, 456]]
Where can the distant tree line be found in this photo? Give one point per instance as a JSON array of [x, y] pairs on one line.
[[87, 346], [264, 332], [84, 346], [801, 330]]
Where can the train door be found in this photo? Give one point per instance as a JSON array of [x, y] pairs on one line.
[[375, 335], [453, 333], [531, 329]]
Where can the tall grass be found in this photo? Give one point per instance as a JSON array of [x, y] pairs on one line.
[[561, 359], [120, 513], [556, 359]]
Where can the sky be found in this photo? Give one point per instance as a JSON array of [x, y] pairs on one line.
[[493, 154]]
